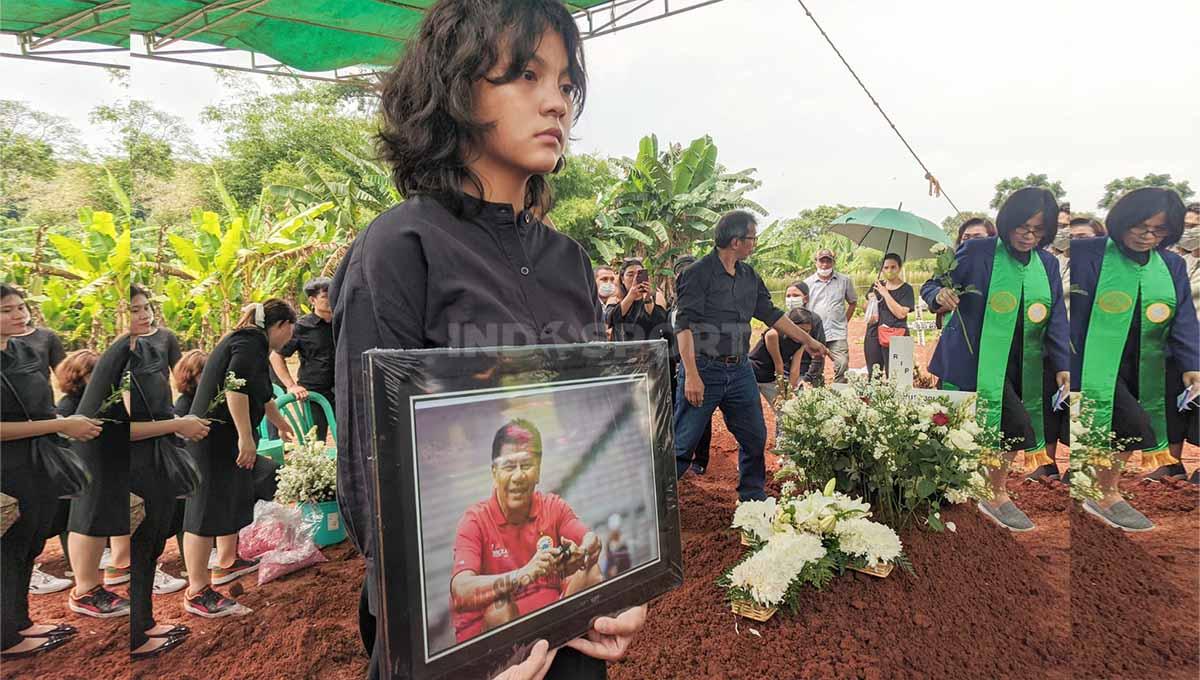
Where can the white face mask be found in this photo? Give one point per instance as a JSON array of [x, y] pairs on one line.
[[1191, 239], [825, 271], [607, 289], [793, 302]]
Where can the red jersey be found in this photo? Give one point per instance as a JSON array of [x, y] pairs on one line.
[[487, 544]]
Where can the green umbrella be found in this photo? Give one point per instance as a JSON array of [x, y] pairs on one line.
[[890, 231]]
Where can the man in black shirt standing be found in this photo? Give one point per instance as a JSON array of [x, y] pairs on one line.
[[313, 338], [718, 295]]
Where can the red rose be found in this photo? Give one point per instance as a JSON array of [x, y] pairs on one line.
[[941, 419]]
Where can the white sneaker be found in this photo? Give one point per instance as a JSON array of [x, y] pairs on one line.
[[41, 583], [106, 558], [165, 584]]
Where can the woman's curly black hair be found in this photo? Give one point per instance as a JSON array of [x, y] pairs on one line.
[[427, 107]]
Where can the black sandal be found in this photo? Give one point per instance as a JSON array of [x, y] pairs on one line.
[[171, 643], [49, 644], [61, 630], [178, 630]]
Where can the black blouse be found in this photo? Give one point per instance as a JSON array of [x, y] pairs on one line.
[[150, 391], [639, 324], [243, 352], [48, 346], [905, 297], [420, 276], [167, 344], [21, 365]]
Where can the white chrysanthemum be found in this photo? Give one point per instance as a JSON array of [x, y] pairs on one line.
[[960, 439], [957, 496], [755, 517], [875, 542], [788, 488]]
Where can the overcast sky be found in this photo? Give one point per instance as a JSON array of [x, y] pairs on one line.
[[1082, 90]]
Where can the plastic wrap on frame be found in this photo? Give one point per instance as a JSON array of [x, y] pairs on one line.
[[393, 378]]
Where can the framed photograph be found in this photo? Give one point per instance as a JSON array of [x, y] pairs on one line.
[[520, 492]]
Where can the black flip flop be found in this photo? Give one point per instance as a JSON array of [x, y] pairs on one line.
[[178, 630], [171, 643], [49, 644], [61, 630]]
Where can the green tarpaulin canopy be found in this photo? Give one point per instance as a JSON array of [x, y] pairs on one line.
[[96, 21], [309, 35]]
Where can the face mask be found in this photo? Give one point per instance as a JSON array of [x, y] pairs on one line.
[[891, 276], [793, 302], [607, 289], [825, 271], [1191, 239], [1062, 240]]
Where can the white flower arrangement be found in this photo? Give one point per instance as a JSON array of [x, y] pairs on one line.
[[806, 541], [310, 476], [1092, 450], [876, 543]]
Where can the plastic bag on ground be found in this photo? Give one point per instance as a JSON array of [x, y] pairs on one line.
[[281, 539]]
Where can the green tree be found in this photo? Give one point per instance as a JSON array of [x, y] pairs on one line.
[[577, 192], [145, 144], [1006, 186], [668, 202], [358, 195], [787, 247], [1119, 187], [268, 134], [32, 144]]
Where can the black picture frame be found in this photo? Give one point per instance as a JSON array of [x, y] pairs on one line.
[[396, 382]]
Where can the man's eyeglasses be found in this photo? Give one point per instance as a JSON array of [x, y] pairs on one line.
[[1156, 232]]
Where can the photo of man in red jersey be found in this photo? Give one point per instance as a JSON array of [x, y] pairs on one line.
[[519, 550]]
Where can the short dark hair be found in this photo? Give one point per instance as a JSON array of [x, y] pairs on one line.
[[136, 290], [1064, 207], [1023, 204], [1139, 205], [683, 262], [603, 267], [895, 258], [975, 222], [1193, 208], [7, 289], [1096, 225], [517, 431], [733, 224], [801, 285], [317, 286], [800, 316], [427, 101]]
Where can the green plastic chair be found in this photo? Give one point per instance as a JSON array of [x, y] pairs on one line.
[[299, 414]]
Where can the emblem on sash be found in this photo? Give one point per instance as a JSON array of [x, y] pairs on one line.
[[1038, 312], [1158, 312]]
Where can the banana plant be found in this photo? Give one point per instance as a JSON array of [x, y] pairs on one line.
[[357, 199], [668, 203]]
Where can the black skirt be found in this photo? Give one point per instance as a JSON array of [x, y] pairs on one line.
[[224, 503], [103, 508]]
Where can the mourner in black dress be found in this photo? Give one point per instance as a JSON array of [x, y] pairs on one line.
[[153, 426], [225, 500], [26, 413], [102, 511], [313, 339]]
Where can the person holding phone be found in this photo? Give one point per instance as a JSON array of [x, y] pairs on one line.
[[889, 302], [641, 314]]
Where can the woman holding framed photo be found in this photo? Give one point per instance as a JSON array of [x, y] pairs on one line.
[[475, 115]]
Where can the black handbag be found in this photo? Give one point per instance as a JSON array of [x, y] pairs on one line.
[[174, 466], [63, 469]]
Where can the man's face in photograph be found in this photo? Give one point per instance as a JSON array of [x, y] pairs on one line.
[[516, 472]]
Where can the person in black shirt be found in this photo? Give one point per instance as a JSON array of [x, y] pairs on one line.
[[224, 503], [699, 455], [167, 344], [774, 357], [26, 413], [717, 298], [637, 316], [153, 424], [466, 260], [892, 300], [45, 342], [313, 338]]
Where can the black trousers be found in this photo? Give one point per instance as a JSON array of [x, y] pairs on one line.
[[875, 354], [19, 547], [146, 544], [318, 413], [568, 663]]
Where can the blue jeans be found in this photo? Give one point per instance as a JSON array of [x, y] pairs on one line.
[[733, 389]]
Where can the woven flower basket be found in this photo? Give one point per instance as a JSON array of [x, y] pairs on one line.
[[881, 570], [752, 610]]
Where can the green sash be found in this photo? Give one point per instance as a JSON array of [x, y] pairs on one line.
[[1121, 280], [1012, 282]]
